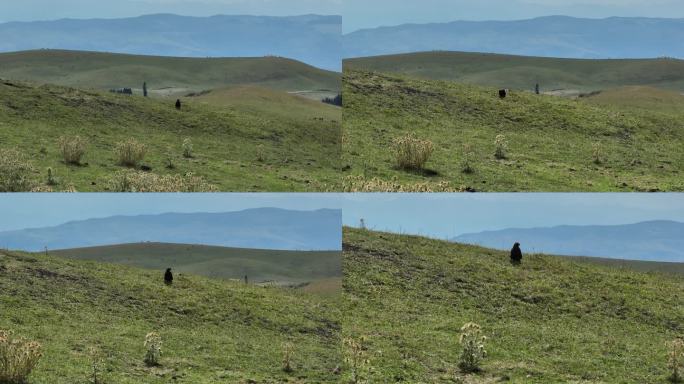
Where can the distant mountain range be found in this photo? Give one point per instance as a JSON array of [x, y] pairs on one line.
[[313, 39], [650, 241], [264, 228], [553, 36]]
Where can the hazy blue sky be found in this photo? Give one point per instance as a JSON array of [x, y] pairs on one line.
[[24, 210], [373, 13], [28, 10], [434, 215], [447, 215]]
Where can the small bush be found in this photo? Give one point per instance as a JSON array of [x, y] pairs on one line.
[[288, 353], [51, 180], [130, 152], [73, 148], [356, 359], [96, 365], [501, 147], [261, 153], [153, 349], [16, 174], [412, 153], [675, 360], [18, 357], [467, 161], [597, 153], [137, 181], [187, 148], [360, 183], [473, 348]]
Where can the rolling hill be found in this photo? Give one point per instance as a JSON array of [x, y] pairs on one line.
[[232, 149], [550, 320], [552, 144], [259, 265], [653, 240], [165, 76], [262, 228], [314, 39], [212, 330], [552, 36], [523, 72]]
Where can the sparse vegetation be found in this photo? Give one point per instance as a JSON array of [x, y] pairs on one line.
[[597, 152], [18, 357], [96, 365], [288, 354], [130, 152], [501, 145], [138, 181], [153, 349], [51, 180], [467, 159], [472, 347], [356, 359], [261, 153], [72, 148], [187, 148], [411, 152], [16, 173], [675, 360]]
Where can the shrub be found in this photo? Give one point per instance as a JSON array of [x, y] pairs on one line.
[[356, 359], [467, 161], [288, 353], [130, 152], [501, 146], [96, 365], [73, 148], [360, 183], [153, 344], [675, 360], [137, 181], [18, 357], [187, 148], [51, 180], [597, 152], [260, 152], [473, 348], [412, 153], [16, 174]]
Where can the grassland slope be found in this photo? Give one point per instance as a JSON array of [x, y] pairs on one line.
[[212, 331], [164, 75], [523, 72], [550, 320], [550, 143], [232, 148], [287, 267]]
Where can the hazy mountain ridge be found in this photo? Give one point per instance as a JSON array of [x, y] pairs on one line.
[[263, 228], [650, 241], [314, 39], [552, 36]]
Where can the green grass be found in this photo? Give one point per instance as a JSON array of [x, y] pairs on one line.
[[523, 72], [550, 139], [282, 267], [165, 76], [641, 98], [550, 320], [213, 331], [299, 146]]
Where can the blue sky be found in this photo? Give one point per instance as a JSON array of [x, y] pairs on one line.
[[434, 215], [30, 10], [368, 14]]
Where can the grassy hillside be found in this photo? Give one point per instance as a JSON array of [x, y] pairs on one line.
[[640, 97], [523, 72], [634, 265], [551, 141], [285, 267], [550, 320], [234, 149], [164, 75], [212, 331]]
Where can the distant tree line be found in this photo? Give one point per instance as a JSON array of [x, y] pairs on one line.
[[337, 100]]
